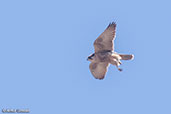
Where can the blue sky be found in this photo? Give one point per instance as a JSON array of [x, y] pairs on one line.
[[44, 45]]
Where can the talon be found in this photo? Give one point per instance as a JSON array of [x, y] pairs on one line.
[[120, 69]]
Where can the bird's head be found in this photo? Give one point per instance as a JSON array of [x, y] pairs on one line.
[[91, 57]]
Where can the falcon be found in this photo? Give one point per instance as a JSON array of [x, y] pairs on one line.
[[105, 54]]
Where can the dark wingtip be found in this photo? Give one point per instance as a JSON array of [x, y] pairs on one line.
[[112, 24]]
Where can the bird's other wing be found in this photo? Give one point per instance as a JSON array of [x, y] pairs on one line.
[[105, 40], [99, 70]]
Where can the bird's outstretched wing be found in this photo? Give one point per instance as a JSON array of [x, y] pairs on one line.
[[99, 70], [105, 40]]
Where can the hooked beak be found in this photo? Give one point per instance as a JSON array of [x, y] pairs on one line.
[[88, 58]]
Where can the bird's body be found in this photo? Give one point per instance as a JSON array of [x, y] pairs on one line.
[[105, 56], [104, 53], [102, 56]]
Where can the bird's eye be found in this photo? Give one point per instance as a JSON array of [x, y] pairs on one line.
[[91, 56]]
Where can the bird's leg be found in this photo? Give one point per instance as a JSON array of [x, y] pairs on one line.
[[119, 68], [116, 63]]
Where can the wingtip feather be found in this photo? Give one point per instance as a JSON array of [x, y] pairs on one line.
[[112, 24]]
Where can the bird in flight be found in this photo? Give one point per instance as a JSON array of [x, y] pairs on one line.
[[105, 54]]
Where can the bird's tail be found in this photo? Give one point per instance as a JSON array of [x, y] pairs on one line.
[[126, 57]]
